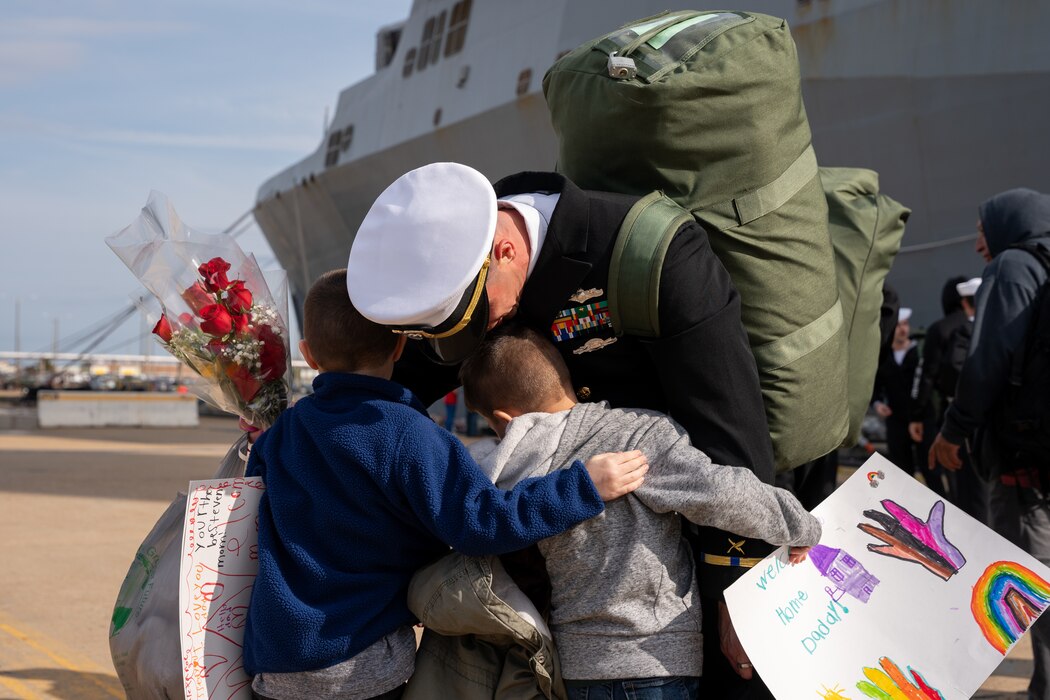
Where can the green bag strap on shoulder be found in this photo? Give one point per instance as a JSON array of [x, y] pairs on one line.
[[637, 261], [769, 197]]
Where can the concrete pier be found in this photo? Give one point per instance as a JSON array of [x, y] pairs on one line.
[[100, 409], [74, 505]]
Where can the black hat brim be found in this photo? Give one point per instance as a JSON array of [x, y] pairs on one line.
[[457, 347]]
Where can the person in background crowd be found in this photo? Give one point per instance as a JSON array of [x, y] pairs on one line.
[[968, 298], [1011, 284], [893, 383], [451, 399], [944, 351], [472, 424]]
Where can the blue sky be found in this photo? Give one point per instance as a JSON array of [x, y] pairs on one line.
[[102, 101]]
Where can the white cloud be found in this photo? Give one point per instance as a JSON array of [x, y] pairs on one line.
[[250, 142], [34, 46], [83, 27], [21, 61], [296, 144]]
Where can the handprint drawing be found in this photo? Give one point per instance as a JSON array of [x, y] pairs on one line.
[[890, 682], [911, 539]]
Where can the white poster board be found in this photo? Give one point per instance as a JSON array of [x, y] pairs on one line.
[[905, 596], [220, 559]]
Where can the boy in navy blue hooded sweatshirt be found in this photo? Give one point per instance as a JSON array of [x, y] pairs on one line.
[[362, 490]]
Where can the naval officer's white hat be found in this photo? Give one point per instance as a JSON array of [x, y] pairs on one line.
[[969, 287], [420, 258]]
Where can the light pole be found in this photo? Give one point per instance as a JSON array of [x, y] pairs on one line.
[[18, 340]]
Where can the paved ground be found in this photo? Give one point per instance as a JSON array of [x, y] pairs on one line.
[[74, 505]]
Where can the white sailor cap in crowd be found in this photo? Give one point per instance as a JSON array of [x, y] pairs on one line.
[[969, 287], [420, 259], [904, 315]]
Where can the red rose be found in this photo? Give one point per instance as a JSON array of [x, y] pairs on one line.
[[240, 323], [273, 360], [247, 385], [186, 319], [216, 346], [214, 274], [163, 329], [216, 320], [238, 298], [197, 297]]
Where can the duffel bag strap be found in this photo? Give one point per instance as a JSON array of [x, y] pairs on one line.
[[637, 261], [657, 28], [783, 351], [769, 197]]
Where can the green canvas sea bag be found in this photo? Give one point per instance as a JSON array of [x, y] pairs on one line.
[[707, 107], [866, 229]]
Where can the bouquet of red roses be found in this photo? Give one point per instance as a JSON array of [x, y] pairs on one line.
[[218, 314]]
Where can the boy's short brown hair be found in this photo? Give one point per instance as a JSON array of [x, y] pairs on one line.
[[340, 338], [515, 368]]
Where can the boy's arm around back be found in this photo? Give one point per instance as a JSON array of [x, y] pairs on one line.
[[460, 505], [683, 479]]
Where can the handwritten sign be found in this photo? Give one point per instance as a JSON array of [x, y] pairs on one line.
[[905, 596], [220, 559]]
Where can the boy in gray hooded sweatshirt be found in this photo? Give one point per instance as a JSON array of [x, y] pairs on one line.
[[625, 609]]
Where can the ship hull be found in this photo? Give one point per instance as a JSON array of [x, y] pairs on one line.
[[916, 91], [311, 226]]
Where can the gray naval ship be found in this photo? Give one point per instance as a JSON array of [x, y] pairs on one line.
[[949, 100]]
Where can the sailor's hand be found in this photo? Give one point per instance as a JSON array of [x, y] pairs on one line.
[[731, 646], [616, 474], [944, 453], [883, 410], [915, 431], [797, 555]]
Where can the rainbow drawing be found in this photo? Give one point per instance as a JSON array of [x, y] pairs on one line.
[[1007, 599]]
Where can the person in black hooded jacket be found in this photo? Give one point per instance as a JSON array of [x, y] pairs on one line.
[[930, 378], [933, 388], [1010, 282]]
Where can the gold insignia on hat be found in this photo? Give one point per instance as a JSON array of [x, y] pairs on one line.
[[738, 546], [594, 344], [582, 295]]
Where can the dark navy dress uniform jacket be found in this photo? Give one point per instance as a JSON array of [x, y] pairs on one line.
[[700, 370]]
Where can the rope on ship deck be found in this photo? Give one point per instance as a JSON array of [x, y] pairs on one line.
[[937, 244]]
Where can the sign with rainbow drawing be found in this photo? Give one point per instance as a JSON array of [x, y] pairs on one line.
[[905, 597]]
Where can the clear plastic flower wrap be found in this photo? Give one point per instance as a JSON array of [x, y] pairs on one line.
[[219, 316]]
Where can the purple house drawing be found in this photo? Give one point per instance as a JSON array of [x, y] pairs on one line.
[[845, 572]]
